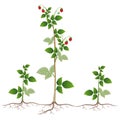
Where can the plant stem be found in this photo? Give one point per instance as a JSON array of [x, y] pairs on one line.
[[98, 93], [54, 95], [98, 90], [22, 93]]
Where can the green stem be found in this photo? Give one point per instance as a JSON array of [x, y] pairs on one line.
[[98, 90], [22, 93], [98, 93], [54, 95], [56, 11], [23, 88]]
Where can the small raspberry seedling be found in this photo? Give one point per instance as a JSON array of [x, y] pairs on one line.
[[97, 92], [22, 90]]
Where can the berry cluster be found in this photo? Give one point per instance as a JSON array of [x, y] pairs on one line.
[[66, 42], [43, 10], [40, 8]]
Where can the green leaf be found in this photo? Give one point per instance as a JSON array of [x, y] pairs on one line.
[[43, 16], [58, 17], [49, 50], [53, 55], [49, 26], [47, 76], [59, 40], [20, 71], [48, 15], [95, 90], [59, 56], [102, 77], [19, 89], [26, 82], [24, 67], [27, 65], [66, 48], [104, 93], [52, 39], [51, 69], [55, 31], [97, 77], [22, 76], [102, 67], [61, 31], [49, 40], [100, 74], [94, 97], [44, 71], [67, 84], [61, 48], [59, 89], [101, 70], [100, 90], [32, 79], [54, 22], [57, 36], [13, 91], [30, 91], [26, 76], [101, 83], [25, 71], [95, 73], [107, 80], [49, 8], [26, 92], [52, 17], [89, 93], [62, 57], [48, 20], [43, 24], [59, 81], [19, 95]]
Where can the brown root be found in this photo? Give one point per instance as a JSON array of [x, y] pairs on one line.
[[97, 106], [53, 107], [20, 105]]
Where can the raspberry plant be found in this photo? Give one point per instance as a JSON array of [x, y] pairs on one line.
[[101, 80], [57, 44], [23, 90]]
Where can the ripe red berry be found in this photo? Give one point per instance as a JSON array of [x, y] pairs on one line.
[[70, 39], [66, 42], [61, 9], [43, 10], [39, 7]]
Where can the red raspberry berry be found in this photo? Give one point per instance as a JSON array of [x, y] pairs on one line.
[[70, 39], [43, 10], [66, 42], [39, 7], [61, 9]]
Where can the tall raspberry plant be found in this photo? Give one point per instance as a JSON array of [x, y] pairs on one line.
[[56, 45]]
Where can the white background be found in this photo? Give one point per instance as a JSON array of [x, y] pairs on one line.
[[95, 28]]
